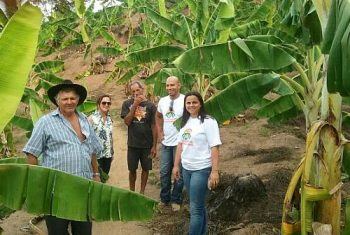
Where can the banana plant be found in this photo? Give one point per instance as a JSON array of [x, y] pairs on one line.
[[307, 92]]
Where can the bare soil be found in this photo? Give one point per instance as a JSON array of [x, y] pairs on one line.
[[250, 146]]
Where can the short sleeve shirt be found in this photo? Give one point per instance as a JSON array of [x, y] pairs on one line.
[[56, 141], [140, 130], [103, 129], [169, 117], [197, 139]]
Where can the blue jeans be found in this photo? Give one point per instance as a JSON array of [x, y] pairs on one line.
[[167, 158], [196, 183]]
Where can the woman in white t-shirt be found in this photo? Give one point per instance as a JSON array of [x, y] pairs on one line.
[[198, 151]]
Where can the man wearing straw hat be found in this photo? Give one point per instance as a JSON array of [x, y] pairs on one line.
[[66, 142]]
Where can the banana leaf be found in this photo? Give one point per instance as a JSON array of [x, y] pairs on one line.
[[22, 122], [172, 28], [16, 58], [336, 42], [3, 18], [154, 54], [231, 57], [80, 8], [48, 191], [50, 66], [87, 107], [240, 95], [266, 10], [159, 79], [108, 51], [35, 110], [223, 81], [280, 109], [50, 77], [19, 160]]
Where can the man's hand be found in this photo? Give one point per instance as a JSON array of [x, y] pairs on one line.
[[138, 99], [176, 173], [96, 178], [154, 151]]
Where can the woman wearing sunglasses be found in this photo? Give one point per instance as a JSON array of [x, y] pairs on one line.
[[102, 123]]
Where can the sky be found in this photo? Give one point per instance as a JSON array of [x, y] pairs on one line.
[[97, 6]]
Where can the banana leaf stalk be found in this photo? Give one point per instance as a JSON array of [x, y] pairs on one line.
[[48, 191]]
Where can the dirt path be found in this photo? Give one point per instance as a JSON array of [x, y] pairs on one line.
[[118, 177]]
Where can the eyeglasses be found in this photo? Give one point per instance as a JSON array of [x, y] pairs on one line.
[[171, 107], [106, 103]]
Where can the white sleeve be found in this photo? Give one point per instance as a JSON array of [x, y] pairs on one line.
[[159, 106], [179, 136], [212, 132]]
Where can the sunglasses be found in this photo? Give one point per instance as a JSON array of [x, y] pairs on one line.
[[106, 103], [171, 107]]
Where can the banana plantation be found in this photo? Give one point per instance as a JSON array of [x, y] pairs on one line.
[[275, 60]]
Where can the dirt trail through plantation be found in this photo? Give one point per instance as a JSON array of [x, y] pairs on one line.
[[118, 177]]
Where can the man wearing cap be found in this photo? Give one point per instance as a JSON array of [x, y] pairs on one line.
[[66, 142], [169, 109]]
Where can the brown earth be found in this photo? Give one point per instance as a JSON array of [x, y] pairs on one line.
[[249, 146]]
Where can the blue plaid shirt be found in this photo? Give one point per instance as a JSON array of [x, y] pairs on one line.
[[54, 138]]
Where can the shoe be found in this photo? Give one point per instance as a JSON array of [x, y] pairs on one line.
[[175, 207]]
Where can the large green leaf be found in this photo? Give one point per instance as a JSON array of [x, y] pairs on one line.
[[337, 44], [223, 81], [154, 54], [16, 58], [48, 191], [167, 25], [229, 57], [80, 8], [266, 10], [159, 80], [35, 110], [240, 95], [87, 107], [3, 18], [280, 109], [52, 66], [7, 160], [22, 122]]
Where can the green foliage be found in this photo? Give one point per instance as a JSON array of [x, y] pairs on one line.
[[18, 54], [337, 45], [46, 191]]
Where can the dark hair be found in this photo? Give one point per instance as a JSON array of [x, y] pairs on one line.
[[186, 115], [100, 98]]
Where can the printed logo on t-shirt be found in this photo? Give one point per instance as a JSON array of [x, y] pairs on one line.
[[170, 114], [140, 113], [186, 136]]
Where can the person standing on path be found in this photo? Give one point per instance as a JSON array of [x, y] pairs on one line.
[[139, 115], [66, 142], [102, 124], [169, 109], [198, 151]]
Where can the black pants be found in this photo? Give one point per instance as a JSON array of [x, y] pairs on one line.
[[57, 226], [105, 164]]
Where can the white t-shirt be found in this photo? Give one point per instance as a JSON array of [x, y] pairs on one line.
[[170, 132], [197, 139]]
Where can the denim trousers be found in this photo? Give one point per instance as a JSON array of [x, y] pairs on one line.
[[196, 184], [167, 158]]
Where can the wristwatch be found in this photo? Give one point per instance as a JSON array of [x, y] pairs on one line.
[[95, 174]]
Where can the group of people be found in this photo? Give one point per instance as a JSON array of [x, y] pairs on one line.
[[67, 140]]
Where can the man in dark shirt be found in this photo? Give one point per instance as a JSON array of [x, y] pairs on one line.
[[139, 115]]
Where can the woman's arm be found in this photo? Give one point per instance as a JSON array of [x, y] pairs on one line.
[[176, 168], [214, 175]]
